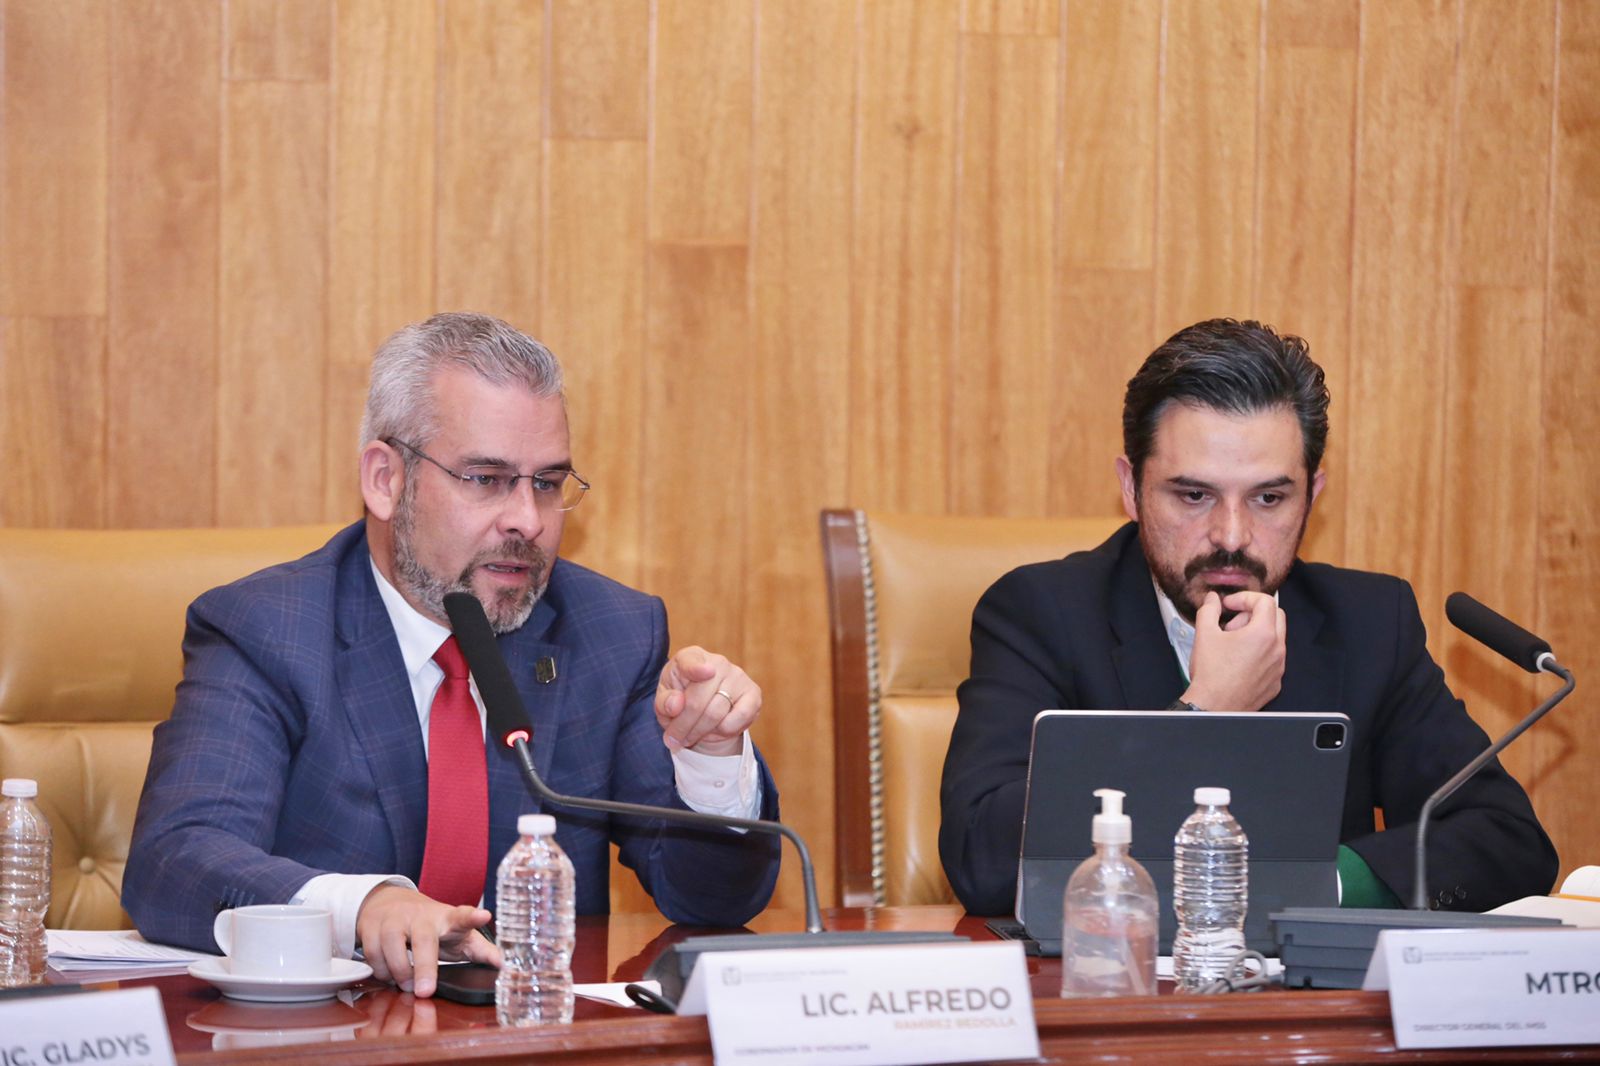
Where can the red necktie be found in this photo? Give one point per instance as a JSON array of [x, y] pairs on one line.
[[456, 857]]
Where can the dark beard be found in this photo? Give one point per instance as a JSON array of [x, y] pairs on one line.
[[1175, 585], [507, 610]]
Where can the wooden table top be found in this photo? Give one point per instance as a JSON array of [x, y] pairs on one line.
[[376, 1025]]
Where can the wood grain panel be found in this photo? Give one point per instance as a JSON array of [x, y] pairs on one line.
[[797, 451], [599, 68], [1005, 221], [1491, 498], [1398, 327], [278, 40], [1105, 246], [902, 281], [697, 392], [1567, 783], [273, 316], [54, 75], [1037, 17], [381, 237], [1314, 23], [1205, 192], [700, 121], [1105, 332], [1502, 151], [593, 320], [1110, 103], [53, 421], [161, 369], [489, 158], [1303, 232]]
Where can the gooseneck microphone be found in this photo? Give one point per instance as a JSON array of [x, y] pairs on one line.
[[1533, 654], [1497, 632], [509, 724]]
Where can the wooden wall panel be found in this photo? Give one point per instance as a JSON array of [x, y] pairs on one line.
[[1398, 328], [1566, 781], [599, 69], [273, 317], [1500, 193], [902, 281], [900, 254], [161, 369], [277, 40], [53, 421], [491, 120], [1105, 244], [700, 121], [1205, 193], [54, 76], [1303, 236], [1005, 227], [797, 452], [593, 320], [381, 234]]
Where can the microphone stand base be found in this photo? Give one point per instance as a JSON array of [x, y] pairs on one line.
[[674, 965], [1330, 947]]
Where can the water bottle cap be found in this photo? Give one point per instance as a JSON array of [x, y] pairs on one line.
[[536, 825], [1212, 797], [1111, 826], [25, 787]]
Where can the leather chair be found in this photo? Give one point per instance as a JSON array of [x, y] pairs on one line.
[[900, 595], [91, 625]]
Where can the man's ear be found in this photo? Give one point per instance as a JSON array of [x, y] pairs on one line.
[[1318, 483], [1130, 491], [383, 478]]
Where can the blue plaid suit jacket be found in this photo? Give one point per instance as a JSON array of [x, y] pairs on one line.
[[294, 750]]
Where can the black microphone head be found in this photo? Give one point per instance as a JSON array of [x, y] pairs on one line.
[[1495, 631], [502, 704]]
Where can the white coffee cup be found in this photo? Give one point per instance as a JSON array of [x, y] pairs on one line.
[[276, 940]]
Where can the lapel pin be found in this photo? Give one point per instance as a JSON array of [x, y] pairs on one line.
[[544, 671]]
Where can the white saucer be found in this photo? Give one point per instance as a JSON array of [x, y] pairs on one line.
[[280, 989]]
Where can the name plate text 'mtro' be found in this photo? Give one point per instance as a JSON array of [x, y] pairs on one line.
[[1489, 987], [867, 1006]]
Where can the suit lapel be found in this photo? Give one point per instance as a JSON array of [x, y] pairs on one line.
[[1146, 665], [542, 702], [1313, 677], [381, 710]]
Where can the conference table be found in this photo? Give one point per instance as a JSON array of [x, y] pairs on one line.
[[376, 1025]]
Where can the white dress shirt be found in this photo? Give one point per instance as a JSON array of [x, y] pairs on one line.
[[714, 784]]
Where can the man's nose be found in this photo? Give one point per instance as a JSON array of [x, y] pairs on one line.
[[1230, 526], [520, 512]]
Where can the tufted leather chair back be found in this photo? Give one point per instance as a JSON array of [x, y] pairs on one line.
[[91, 627], [901, 589]]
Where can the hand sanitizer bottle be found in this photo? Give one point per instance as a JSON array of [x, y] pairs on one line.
[[1109, 914]]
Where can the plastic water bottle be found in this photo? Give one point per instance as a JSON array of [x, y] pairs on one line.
[[1210, 891], [535, 893], [1109, 914], [24, 883]]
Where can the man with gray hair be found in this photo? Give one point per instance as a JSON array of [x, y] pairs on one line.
[[327, 746]]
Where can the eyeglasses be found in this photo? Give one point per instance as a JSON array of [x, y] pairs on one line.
[[558, 489]]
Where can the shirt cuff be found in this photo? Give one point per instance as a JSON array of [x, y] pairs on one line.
[[342, 895], [729, 785]]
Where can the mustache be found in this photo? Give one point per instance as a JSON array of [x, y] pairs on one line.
[[1226, 560]]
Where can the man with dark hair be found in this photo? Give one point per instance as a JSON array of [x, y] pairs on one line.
[[1200, 604], [328, 748]]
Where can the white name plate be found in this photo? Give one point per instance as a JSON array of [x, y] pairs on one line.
[[1489, 987], [866, 1006], [121, 1028]]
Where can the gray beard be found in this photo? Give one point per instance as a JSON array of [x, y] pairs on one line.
[[507, 610]]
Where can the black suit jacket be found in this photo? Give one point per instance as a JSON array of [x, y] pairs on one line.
[[1085, 632]]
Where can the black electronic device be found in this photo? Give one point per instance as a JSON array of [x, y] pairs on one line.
[[471, 983]]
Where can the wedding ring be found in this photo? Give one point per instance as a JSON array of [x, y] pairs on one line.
[[725, 696]]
